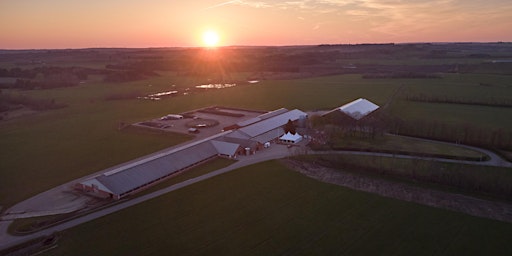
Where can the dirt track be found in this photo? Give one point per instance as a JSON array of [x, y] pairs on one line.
[[451, 201]]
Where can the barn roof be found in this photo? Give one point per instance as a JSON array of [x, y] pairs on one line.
[[248, 122], [136, 174], [269, 135], [262, 117], [357, 109], [225, 148], [272, 113], [272, 123], [238, 135], [144, 173], [244, 143]]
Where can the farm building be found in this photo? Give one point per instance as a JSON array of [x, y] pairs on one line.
[[360, 117], [137, 175], [356, 109], [256, 119], [268, 129]]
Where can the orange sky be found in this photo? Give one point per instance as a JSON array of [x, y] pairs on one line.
[[155, 23]]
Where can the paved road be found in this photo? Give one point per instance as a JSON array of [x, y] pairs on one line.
[[496, 162], [494, 159], [275, 152], [6, 240]]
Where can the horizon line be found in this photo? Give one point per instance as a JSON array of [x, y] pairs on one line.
[[230, 46]]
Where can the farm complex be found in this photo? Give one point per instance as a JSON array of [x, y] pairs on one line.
[[307, 150], [244, 138]]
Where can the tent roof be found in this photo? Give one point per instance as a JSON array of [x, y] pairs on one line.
[[292, 137]]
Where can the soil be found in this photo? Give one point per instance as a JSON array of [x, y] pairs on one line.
[[456, 202]]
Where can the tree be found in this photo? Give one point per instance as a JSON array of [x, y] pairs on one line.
[[289, 127]]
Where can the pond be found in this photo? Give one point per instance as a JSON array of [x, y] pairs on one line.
[[158, 96], [215, 86]]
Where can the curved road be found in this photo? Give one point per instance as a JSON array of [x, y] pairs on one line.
[[275, 152], [495, 159]]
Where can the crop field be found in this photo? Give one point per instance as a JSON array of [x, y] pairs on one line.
[[267, 209], [485, 89], [458, 115]]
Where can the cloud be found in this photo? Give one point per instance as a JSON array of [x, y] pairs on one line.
[[222, 4], [253, 4], [395, 18]]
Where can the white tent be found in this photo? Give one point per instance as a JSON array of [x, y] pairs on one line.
[[291, 138]]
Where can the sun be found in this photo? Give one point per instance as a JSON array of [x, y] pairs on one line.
[[210, 38]]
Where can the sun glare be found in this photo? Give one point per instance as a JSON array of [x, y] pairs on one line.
[[210, 38]]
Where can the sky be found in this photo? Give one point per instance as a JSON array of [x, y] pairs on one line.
[[53, 24]]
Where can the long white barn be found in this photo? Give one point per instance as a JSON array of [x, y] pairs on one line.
[[135, 176]]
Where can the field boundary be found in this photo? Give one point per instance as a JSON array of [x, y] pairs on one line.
[[405, 192], [410, 153]]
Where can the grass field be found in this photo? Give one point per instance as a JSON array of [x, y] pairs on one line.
[[396, 143], [487, 181], [266, 209], [33, 224], [50, 148], [463, 87], [457, 114], [204, 168]]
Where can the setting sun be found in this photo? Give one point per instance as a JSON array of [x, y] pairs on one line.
[[210, 38]]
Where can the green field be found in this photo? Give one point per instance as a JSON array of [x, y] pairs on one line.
[[49, 148], [464, 87], [405, 144], [28, 225], [494, 183], [266, 209]]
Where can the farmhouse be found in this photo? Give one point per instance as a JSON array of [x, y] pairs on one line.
[[137, 175]]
